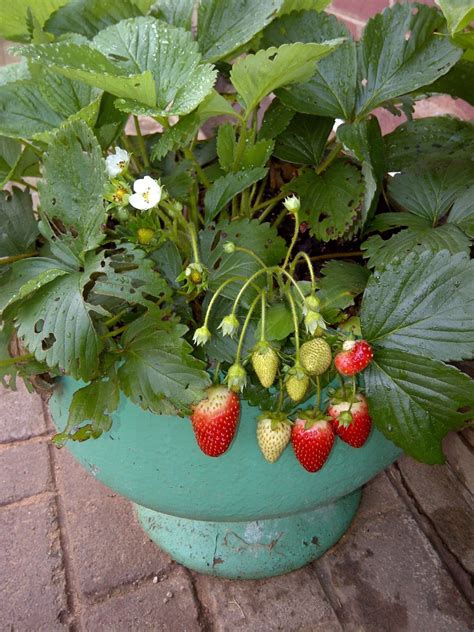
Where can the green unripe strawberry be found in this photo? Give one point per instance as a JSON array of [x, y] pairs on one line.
[[265, 363], [315, 356], [296, 383], [273, 435]]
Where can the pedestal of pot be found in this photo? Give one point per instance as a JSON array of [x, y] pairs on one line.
[[250, 550]]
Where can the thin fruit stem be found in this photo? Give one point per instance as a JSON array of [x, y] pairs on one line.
[[303, 255], [291, 279], [295, 326], [263, 316], [293, 240], [203, 179], [244, 328], [216, 295], [318, 394], [265, 203], [4, 261], [337, 255], [252, 254]]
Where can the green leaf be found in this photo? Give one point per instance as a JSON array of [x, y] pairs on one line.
[[260, 238], [10, 151], [82, 62], [257, 154], [75, 173], [430, 188], [170, 54], [128, 275], [168, 260], [35, 108], [303, 141], [387, 221], [18, 226], [424, 305], [223, 27], [381, 252], [278, 322], [400, 51], [159, 372], [94, 403], [88, 17], [18, 71], [26, 276], [458, 13], [414, 401], [14, 16], [462, 212], [457, 82], [331, 89], [276, 120], [434, 138], [330, 202], [256, 76], [55, 324], [340, 283], [303, 5], [364, 141], [226, 143], [176, 12], [223, 190]]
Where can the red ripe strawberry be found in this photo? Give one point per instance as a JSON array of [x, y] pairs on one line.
[[352, 426], [312, 441], [215, 420], [355, 356]]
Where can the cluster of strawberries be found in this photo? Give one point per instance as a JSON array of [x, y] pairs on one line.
[[312, 433]]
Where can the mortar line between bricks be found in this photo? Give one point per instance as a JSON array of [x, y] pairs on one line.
[[94, 599], [330, 593], [44, 437], [29, 500], [458, 479], [204, 623], [349, 18], [459, 574], [71, 583]]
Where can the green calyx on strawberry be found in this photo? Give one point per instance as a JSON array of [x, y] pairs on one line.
[[215, 419], [265, 362], [350, 418], [312, 438], [296, 382], [355, 356], [273, 435], [315, 356]]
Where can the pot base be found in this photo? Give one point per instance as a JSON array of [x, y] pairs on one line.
[[250, 550]]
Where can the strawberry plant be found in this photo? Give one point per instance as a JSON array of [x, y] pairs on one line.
[[199, 210]]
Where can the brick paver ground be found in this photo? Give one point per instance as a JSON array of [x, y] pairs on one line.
[[73, 557]]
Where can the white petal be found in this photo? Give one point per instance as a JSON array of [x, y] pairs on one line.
[[138, 201], [140, 186], [112, 165], [337, 123], [122, 154]]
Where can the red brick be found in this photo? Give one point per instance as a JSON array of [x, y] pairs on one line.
[[24, 471], [108, 546], [167, 606], [21, 414], [32, 583], [358, 9]]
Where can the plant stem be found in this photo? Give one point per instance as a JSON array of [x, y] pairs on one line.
[[194, 241], [291, 279], [303, 255], [4, 261], [115, 332], [333, 154], [337, 255], [293, 240], [111, 321], [239, 151], [203, 179], [128, 146], [215, 296], [141, 142], [265, 203], [295, 327], [17, 359], [252, 254], [246, 285], [244, 328], [318, 394], [263, 316]]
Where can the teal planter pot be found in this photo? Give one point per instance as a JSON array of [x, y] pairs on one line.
[[236, 516]]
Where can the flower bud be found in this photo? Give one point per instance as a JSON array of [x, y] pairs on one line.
[[201, 336], [229, 325], [145, 236], [229, 247], [292, 203], [311, 304], [236, 378]]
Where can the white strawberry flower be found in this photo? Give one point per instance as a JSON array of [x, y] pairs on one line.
[[118, 162], [292, 203], [229, 325], [147, 194]]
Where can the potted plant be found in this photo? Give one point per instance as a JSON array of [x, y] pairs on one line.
[[245, 258]]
